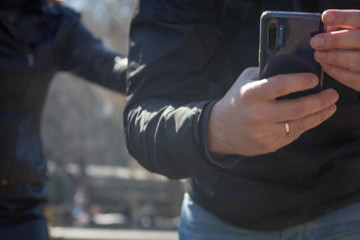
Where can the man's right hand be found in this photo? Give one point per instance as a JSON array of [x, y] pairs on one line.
[[249, 120]]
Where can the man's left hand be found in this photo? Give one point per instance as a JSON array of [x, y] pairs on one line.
[[338, 50]]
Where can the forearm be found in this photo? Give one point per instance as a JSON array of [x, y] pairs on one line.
[[87, 57], [168, 86], [103, 68], [164, 137]]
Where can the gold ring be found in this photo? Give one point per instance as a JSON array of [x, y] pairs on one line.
[[287, 129]]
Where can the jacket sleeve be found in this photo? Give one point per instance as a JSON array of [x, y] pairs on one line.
[[172, 45], [87, 57]]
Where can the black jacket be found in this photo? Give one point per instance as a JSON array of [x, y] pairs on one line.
[[32, 49], [182, 60]]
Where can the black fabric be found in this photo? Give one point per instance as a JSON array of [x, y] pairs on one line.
[[32, 49], [298, 5], [22, 5], [43, 24], [179, 67], [29, 229]]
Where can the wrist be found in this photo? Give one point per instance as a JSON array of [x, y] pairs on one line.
[[216, 143]]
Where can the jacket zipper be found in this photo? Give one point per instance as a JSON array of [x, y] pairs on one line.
[[5, 180]]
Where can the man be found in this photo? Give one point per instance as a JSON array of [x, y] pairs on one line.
[[258, 167], [38, 38]]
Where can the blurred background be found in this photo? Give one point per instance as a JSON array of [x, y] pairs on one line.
[[94, 183]]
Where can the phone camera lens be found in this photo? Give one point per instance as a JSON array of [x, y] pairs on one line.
[[272, 35]]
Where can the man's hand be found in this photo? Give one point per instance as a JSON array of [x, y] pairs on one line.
[[249, 120], [338, 50]]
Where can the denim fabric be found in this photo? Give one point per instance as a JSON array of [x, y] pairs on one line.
[[198, 224]]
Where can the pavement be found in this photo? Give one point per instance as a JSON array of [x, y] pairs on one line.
[[63, 233]]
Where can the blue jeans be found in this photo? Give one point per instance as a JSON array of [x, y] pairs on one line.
[[196, 223]]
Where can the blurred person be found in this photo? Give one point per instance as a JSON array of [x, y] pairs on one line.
[[80, 210], [38, 38], [258, 167]]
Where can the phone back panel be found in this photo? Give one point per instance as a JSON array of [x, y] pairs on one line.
[[293, 53]]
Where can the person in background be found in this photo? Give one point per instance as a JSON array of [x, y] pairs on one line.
[[258, 167], [39, 38]]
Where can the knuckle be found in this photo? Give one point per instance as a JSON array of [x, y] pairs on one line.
[[254, 118], [334, 40], [299, 128], [356, 38], [337, 58], [281, 87], [251, 72], [342, 18], [334, 72], [324, 101], [247, 95], [246, 98], [356, 63], [298, 109], [258, 137]]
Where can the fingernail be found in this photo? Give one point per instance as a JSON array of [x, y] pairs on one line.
[[329, 17], [317, 41], [314, 81], [320, 55]]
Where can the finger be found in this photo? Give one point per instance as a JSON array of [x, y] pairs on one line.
[[347, 77], [344, 39], [298, 127], [344, 18], [347, 58], [293, 109], [285, 84]]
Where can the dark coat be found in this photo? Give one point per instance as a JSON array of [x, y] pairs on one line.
[[32, 49]]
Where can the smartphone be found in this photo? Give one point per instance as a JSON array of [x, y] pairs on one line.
[[285, 45]]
